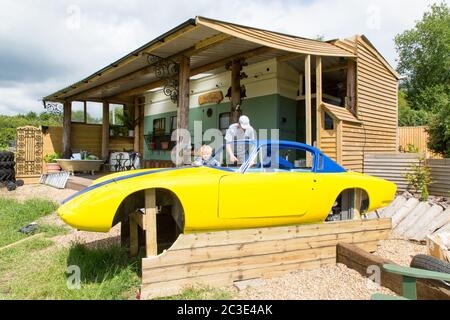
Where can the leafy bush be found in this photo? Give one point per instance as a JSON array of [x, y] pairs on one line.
[[9, 124], [439, 132], [51, 157], [419, 178]]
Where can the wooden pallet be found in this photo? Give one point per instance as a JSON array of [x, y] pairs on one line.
[[220, 258]]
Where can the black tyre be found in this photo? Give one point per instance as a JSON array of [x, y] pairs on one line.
[[6, 156], [422, 261], [7, 165], [20, 183], [7, 175], [11, 186]]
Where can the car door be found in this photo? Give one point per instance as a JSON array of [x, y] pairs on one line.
[[265, 194]]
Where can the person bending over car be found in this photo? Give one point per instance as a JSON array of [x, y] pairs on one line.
[[239, 131]]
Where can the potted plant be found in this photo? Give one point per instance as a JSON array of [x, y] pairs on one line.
[[51, 163], [149, 139], [128, 122], [164, 145]]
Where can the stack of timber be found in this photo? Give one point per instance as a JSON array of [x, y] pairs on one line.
[[219, 258], [413, 219]]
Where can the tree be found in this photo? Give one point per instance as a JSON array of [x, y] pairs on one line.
[[9, 124], [424, 58], [439, 132], [407, 116]]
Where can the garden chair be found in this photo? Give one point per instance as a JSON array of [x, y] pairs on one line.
[[410, 276]]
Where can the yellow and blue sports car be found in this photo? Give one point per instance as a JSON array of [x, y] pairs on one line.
[[278, 183]]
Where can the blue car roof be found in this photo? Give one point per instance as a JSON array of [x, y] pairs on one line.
[[328, 165]]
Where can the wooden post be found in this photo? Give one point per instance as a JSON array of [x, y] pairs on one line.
[[318, 99], [236, 68], [351, 86], [151, 244], [339, 133], [183, 93], [137, 120], [183, 109], [308, 112], [105, 131], [67, 123]]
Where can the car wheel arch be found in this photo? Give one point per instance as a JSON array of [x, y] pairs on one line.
[[136, 200]]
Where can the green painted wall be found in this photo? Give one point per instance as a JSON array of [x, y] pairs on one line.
[[266, 112]]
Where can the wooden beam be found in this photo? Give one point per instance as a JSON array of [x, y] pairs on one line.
[[318, 99], [308, 112], [236, 68], [196, 49], [290, 56], [67, 127], [151, 244], [339, 133], [351, 86], [202, 69], [105, 131], [137, 120], [183, 94]]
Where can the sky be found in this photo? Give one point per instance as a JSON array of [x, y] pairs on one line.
[[46, 45]]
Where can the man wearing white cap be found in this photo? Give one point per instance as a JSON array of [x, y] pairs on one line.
[[239, 131]]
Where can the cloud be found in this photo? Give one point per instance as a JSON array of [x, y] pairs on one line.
[[47, 45]]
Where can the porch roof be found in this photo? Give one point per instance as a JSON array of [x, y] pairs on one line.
[[340, 113], [208, 42]]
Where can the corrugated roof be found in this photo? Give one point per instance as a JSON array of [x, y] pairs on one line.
[[340, 113], [185, 36], [276, 40]]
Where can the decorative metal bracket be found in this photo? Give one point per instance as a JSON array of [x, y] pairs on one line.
[[166, 69], [53, 107]]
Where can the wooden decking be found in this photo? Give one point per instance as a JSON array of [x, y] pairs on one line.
[[80, 182]]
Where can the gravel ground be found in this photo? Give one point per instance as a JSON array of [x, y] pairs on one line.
[[37, 191], [328, 283], [400, 251], [333, 282]]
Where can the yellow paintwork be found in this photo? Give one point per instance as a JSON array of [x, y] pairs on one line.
[[215, 199]]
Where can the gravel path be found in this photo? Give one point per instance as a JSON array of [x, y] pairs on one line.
[[333, 282], [400, 251], [37, 191], [328, 283]]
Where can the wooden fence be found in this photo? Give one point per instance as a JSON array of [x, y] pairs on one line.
[[393, 166], [417, 137]]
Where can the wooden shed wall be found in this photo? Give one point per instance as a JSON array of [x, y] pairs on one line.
[[84, 137], [376, 89]]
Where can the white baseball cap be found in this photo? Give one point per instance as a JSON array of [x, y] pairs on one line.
[[244, 122]]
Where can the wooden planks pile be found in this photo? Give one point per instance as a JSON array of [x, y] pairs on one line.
[[415, 220], [220, 258]]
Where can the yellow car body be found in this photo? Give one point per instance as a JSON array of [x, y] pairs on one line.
[[215, 198]]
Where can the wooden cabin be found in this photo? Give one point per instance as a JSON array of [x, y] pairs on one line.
[[338, 95]]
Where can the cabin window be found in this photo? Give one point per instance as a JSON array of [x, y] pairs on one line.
[[224, 121], [159, 126], [116, 115], [94, 113], [328, 122], [173, 123], [78, 112]]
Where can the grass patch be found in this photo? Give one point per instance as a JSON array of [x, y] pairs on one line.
[[15, 214], [105, 273], [51, 230]]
